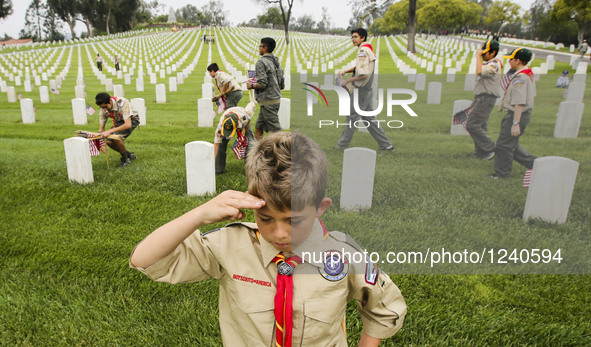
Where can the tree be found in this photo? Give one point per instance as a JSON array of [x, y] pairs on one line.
[[412, 20], [189, 14], [366, 11], [325, 21], [285, 6], [41, 23], [67, 10], [87, 9], [5, 8], [272, 16], [502, 12], [304, 23], [213, 13], [577, 11], [448, 14]]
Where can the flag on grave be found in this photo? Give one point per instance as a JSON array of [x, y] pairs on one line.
[[89, 110]]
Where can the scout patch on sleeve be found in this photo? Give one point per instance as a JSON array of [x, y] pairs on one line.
[[371, 272], [335, 267], [361, 54]]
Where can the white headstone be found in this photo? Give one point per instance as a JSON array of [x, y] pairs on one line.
[[550, 62], [11, 94], [451, 75], [551, 189], [200, 165], [44, 94], [78, 160], [434, 93], [153, 79], [284, 112], [79, 92], [568, 121], [207, 90], [160, 93], [205, 113], [458, 129], [576, 91], [109, 85], [420, 82], [139, 105], [172, 84], [127, 79], [359, 167], [27, 111], [139, 84], [118, 91], [79, 111]]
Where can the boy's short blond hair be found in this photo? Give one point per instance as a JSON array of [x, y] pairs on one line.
[[288, 171]]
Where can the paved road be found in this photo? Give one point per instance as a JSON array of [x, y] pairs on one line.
[[540, 53]]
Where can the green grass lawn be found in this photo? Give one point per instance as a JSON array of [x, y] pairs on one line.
[[65, 278]]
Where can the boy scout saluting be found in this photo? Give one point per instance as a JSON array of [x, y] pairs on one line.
[[487, 90], [519, 102], [269, 296], [362, 80]]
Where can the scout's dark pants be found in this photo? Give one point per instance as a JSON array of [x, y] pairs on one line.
[[220, 159], [365, 103], [508, 148], [268, 119], [478, 123], [233, 98]]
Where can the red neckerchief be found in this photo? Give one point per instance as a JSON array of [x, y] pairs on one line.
[[111, 113], [216, 81], [284, 300], [366, 44]]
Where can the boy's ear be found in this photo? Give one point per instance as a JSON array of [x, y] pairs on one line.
[[324, 205]]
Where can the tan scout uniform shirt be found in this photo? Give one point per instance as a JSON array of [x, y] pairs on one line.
[[521, 91], [489, 81], [222, 78], [364, 64], [121, 111], [242, 262], [243, 120]]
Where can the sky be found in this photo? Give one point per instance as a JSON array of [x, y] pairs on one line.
[[238, 11]]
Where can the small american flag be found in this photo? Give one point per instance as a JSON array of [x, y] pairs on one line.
[[96, 146], [55, 91], [89, 110], [221, 103], [506, 79], [527, 178], [239, 146], [461, 117]]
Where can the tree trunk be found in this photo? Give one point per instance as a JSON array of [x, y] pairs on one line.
[[581, 35], [412, 10], [88, 28], [71, 24], [108, 18]]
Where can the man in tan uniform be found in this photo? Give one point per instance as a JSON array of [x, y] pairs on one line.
[[518, 102], [229, 88], [362, 81], [273, 290]]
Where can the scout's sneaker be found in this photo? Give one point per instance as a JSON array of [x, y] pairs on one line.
[[339, 147], [389, 148], [488, 156], [496, 177], [131, 155], [124, 162]]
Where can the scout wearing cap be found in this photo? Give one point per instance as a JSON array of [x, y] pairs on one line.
[[522, 54], [490, 45], [230, 125]]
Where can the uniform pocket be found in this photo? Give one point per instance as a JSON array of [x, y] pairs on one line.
[[322, 322]]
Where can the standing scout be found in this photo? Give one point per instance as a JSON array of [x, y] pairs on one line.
[[518, 102], [487, 90], [361, 82], [234, 122], [125, 119], [230, 90], [99, 62], [267, 89], [269, 295]]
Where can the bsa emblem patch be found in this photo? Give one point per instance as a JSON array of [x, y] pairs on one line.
[[335, 267], [371, 272]]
